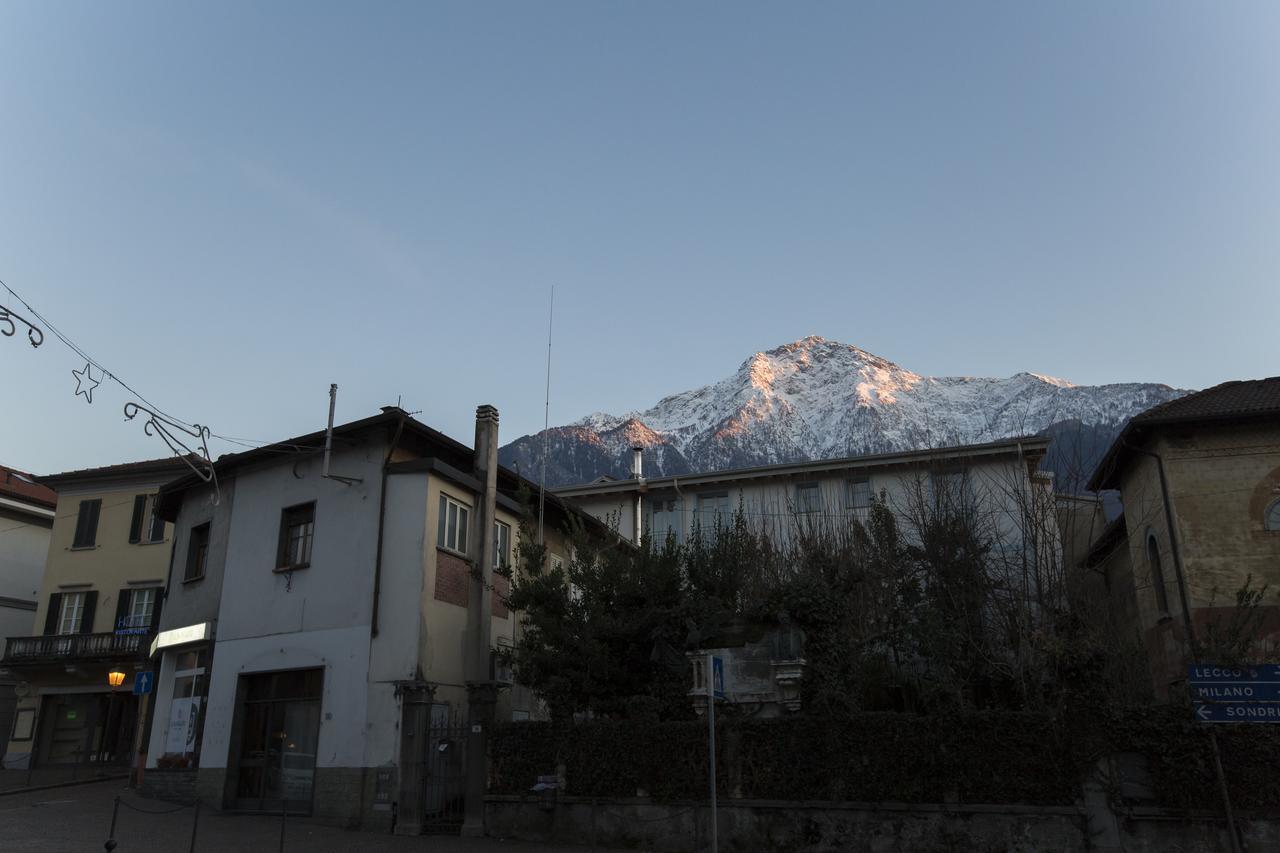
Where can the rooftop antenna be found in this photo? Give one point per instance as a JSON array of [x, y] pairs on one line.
[[546, 422]]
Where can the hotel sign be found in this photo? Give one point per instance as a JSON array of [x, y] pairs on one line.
[[182, 636]]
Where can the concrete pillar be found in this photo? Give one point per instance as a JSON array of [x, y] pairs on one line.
[[482, 692], [415, 721], [482, 700]]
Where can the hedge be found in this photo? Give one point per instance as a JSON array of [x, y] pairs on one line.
[[980, 757]]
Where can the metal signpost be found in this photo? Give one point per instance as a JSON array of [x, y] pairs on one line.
[[1235, 694], [715, 690]]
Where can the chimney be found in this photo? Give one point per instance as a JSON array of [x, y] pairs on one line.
[[482, 692], [637, 471], [637, 465]]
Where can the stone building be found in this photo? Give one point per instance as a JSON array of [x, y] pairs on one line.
[[1199, 478]]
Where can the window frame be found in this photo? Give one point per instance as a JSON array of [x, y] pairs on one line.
[[462, 530], [197, 552], [285, 538], [501, 545], [131, 615], [1271, 517], [81, 598], [859, 511], [708, 510], [816, 487]]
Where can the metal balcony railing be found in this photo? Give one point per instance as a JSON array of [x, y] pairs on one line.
[[70, 647]]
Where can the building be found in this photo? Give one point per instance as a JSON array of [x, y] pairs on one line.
[[999, 481], [26, 517], [331, 620], [99, 600], [1199, 478]]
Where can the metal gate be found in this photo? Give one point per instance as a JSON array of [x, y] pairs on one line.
[[445, 772]]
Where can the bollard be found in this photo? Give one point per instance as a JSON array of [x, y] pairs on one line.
[[110, 843], [195, 822]]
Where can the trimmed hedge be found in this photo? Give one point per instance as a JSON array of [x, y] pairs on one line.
[[981, 757]]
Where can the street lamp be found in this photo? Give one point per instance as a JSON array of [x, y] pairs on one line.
[[115, 678]]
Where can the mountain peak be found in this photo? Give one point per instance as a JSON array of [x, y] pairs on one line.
[[816, 398]]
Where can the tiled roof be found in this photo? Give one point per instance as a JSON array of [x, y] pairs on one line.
[[21, 486], [1236, 400], [171, 464]]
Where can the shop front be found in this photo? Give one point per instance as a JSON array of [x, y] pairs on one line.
[[275, 738]]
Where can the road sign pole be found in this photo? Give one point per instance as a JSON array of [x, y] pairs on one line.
[[711, 729], [1222, 789]]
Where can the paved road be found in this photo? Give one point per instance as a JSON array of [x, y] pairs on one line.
[[76, 820]]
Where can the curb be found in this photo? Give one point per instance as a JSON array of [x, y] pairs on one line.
[[53, 785]]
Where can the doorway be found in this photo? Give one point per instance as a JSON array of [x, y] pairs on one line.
[[279, 734]]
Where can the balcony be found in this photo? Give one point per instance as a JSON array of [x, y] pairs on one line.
[[75, 647]]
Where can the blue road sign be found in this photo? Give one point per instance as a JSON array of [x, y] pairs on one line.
[[1200, 673], [1242, 691], [717, 677], [142, 683], [1237, 712]]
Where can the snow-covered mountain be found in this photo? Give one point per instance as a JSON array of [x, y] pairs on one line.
[[819, 399]]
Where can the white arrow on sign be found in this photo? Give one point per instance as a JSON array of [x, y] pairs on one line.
[[1202, 711]]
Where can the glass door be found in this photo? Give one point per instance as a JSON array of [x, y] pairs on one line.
[[280, 732]]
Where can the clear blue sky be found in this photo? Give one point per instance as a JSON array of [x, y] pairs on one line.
[[232, 205]]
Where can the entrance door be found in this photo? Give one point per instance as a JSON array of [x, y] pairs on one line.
[[279, 733]]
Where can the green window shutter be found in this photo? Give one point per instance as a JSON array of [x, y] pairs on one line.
[[51, 618], [90, 605], [135, 526], [122, 609]]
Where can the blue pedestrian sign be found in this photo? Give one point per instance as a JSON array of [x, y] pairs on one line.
[[1249, 693], [717, 677], [142, 683]]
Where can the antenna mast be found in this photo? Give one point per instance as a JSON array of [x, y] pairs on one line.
[[546, 422]]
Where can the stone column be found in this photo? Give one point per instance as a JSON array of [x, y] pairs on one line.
[[415, 722], [482, 700]]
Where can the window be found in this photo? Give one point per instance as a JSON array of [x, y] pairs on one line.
[[189, 689], [454, 521], [297, 525], [501, 545], [662, 518], [141, 605], [1157, 574], [71, 614], [808, 498], [858, 498], [146, 525], [87, 524], [950, 488], [1271, 518], [713, 510], [197, 552]]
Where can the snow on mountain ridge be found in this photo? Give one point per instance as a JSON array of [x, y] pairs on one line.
[[816, 398]]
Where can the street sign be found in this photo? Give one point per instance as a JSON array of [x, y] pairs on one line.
[[1238, 712], [1199, 673], [717, 677], [142, 683], [1248, 693]]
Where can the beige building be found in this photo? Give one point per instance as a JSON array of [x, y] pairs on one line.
[[99, 599], [1199, 478]]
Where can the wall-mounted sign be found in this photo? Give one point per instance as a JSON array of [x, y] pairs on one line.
[[182, 636]]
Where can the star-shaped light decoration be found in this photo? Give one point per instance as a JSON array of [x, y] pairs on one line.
[[85, 383]]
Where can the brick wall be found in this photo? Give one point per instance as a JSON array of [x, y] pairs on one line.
[[453, 575], [501, 589]]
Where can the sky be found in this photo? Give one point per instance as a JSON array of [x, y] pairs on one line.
[[232, 205]]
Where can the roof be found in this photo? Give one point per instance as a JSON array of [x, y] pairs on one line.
[[1241, 399], [21, 486], [391, 418], [168, 465], [1030, 445]]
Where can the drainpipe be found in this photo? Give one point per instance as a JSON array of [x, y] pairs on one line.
[[637, 472], [1232, 832]]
